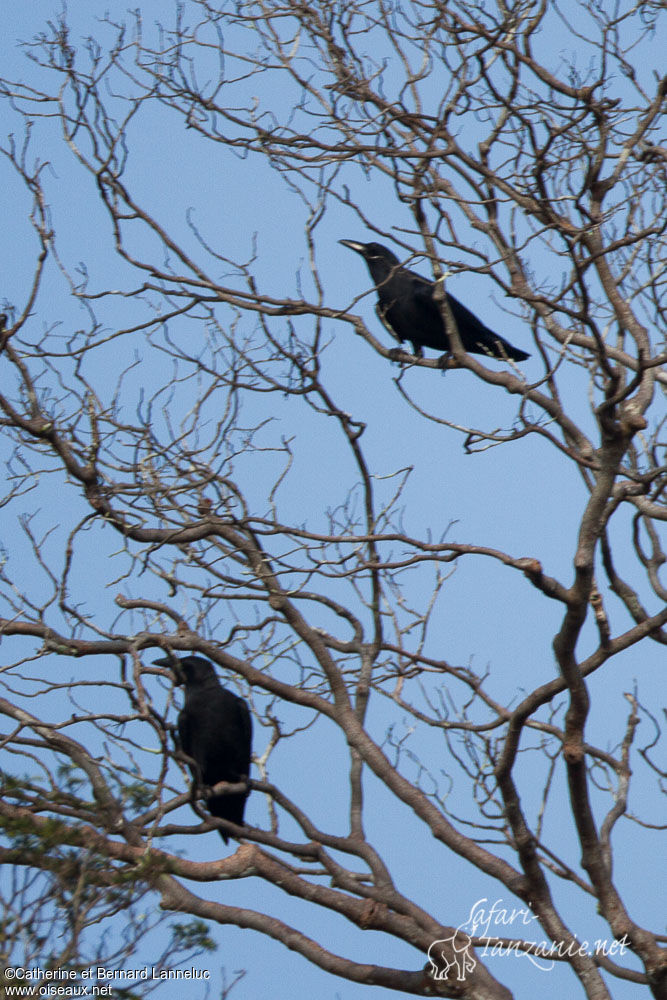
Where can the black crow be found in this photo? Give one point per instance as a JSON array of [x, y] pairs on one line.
[[215, 729], [407, 306]]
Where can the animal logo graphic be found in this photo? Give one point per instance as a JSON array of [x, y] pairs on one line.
[[450, 952]]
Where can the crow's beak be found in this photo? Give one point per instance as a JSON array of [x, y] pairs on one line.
[[166, 661], [353, 245], [172, 663]]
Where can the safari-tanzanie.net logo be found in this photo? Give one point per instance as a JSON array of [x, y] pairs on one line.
[[486, 930]]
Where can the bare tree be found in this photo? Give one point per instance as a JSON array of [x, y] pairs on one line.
[[175, 450]]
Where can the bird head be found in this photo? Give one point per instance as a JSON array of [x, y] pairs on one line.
[[188, 670], [372, 252]]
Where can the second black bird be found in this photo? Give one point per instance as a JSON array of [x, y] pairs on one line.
[[407, 306], [215, 730]]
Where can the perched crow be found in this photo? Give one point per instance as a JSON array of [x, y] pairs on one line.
[[406, 305], [215, 729]]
